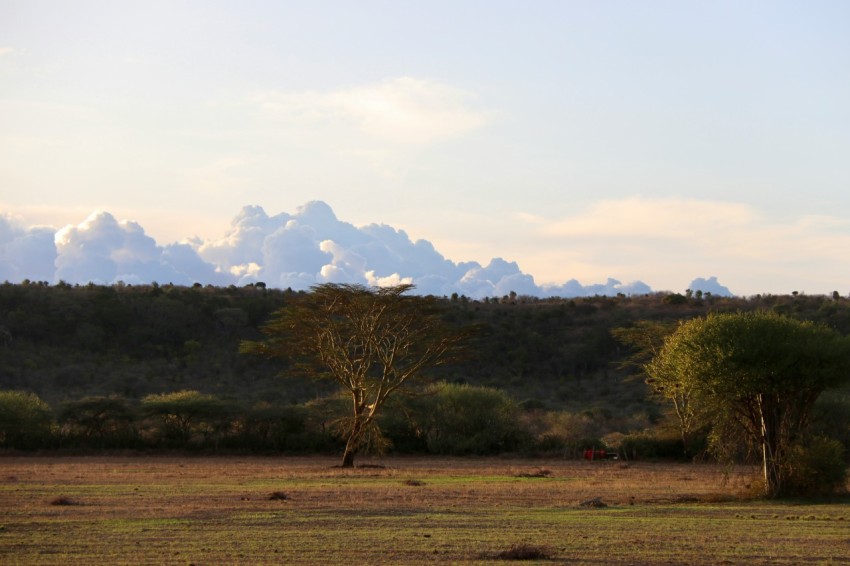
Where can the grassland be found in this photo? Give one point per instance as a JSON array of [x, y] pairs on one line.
[[164, 510]]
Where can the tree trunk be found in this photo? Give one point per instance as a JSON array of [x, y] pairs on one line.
[[348, 457], [772, 450], [357, 428], [352, 444]]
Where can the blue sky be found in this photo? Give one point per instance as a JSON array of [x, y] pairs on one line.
[[657, 141]]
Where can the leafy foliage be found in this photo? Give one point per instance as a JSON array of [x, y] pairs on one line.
[[816, 466], [762, 370], [103, 421], [460, 419], [185, 414], [25, 420]]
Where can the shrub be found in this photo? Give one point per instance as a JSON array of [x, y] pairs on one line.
[[563, 432], [648, 444], [817, 467], [831, 417], [401, 426], [25, 421], [272, 427], [99, 422], [462, 419], [190, 417]]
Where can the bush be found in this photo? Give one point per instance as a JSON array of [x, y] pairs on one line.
[[400, 424], [190, 418], [648, 444], [25, 421], [567, 434], [462, 419], [99, 422], [817, 467], [267, 427], [831, 417]]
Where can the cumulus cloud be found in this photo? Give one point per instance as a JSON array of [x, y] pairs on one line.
[[298, 250], [710, 285], [666, 239], [403, 110], [103, 250], [243, 243], [312, 246], [25, 253], [611, 287]]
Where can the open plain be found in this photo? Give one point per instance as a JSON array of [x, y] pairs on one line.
[[283, 510]]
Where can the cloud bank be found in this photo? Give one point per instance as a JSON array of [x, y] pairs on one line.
[[310, 247]]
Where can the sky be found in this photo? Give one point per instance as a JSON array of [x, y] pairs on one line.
[[640, 142]]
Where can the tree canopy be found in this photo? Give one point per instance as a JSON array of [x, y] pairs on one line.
[[762, 369]]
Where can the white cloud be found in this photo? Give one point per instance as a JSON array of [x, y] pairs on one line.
[[243, 243], [25, 253], [347, 266], [248, 270], [6, 51], [313, 246], [403, 110], [670, 240], [104, 250], [389, 281]]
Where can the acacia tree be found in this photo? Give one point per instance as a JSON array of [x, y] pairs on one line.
[[369, 341], [186, 412], [763, 369], [105, 419]]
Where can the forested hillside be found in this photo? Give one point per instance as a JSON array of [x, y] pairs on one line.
[[64, 343]]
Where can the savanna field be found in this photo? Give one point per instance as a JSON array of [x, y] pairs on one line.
[[305, 510]]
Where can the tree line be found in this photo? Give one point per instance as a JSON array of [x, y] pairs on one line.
[[116, 363], [70, 341], [442, 419]]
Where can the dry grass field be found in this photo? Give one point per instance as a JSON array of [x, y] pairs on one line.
[[203, 511]]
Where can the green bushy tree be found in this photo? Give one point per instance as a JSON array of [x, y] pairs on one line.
[[25, 421], [761, 370], [464, 419]]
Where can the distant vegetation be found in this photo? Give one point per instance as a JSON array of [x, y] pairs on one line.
[[158, 366]]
